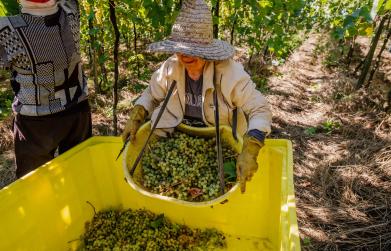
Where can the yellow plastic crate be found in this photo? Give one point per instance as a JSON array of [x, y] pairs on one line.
[[47, 209]]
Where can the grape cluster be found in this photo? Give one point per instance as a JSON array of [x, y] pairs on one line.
[[184, 167], [139, 230]]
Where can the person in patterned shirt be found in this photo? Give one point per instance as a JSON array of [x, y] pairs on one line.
[[40, 47]]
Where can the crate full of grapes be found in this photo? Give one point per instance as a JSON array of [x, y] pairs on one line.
[[83, 200]]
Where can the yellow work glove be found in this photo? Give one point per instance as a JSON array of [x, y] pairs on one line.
[[246, 164], [136, 119]]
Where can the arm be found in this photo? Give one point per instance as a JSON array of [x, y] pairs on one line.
[[76, 3], [5, 59], [70, 6], [148, 101], [257, 109], [240, 91], [156, 91], [254, 105], [4, 64]]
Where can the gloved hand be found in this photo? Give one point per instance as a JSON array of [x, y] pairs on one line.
[[136, 119], [246, 164]]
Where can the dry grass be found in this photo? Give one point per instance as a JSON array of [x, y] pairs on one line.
[[7, 168], [342, 175], [7, 165], [6, 138]]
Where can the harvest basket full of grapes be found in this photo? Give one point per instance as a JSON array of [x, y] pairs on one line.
[[182, 168], [48, 208]]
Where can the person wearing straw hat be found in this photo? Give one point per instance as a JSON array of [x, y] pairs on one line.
[[199, 62], [40, 47]]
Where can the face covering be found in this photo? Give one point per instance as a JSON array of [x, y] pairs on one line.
[[39, 7]]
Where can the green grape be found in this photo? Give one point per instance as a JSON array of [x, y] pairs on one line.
[[184, 167], [144, 230]]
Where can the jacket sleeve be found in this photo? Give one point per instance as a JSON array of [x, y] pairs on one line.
[[76, 6], [4, 64], [70, 6], [245, 96], [156, 91]]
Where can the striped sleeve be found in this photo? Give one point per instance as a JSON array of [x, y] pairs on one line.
[[4, 64], [70, 6], [76, 7]]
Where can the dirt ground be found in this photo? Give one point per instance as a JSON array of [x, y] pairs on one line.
[[342, 147], [342, 151]]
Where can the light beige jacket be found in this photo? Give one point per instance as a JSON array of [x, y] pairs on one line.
[[236, 90]]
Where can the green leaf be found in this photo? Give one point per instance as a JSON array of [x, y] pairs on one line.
[[215, 20], [310, 131], [350, 20], [158, 221], [237, 4], [91, 16], [230, 171], [376, 7], [307, 241], [265, 3], [94, 31], [338, 33], [330, 125], [103, 58], [356, 13], [366, 14], [379, 4], [388, 5]]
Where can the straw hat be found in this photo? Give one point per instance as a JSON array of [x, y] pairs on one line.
[[192, 34]]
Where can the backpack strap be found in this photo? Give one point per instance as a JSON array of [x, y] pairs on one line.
[[164, 105], [235, 123], [219, 149]]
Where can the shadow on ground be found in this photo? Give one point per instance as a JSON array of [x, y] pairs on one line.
[[342, 174]]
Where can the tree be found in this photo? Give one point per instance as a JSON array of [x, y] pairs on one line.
[[113, 19]]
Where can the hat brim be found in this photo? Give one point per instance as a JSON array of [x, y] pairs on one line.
[[215, 51]]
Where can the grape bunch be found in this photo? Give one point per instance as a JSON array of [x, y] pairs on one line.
[[139, 230], [185, 167]]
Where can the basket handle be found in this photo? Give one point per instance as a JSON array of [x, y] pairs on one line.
[[164, 105], [220, 165]]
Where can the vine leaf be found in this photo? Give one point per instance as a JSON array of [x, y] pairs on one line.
[[158, 221], [230, 171]]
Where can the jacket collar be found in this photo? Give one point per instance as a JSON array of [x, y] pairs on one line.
[[181, 86], [208, 76]]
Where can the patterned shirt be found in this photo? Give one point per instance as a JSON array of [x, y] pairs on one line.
[[193, 98], [43, 54]]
